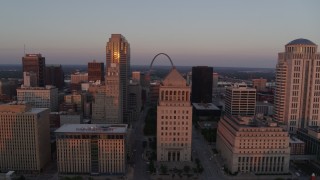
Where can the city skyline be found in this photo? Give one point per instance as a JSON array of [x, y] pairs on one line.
[[220, 34]]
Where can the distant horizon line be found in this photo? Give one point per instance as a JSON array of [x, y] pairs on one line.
[[155, 66]]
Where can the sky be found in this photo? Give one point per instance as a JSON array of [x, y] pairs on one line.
[[228, 33]]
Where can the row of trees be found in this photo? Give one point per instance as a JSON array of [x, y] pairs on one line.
[[150, 127]]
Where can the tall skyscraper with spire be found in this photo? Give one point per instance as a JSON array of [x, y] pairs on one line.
[[297, 94], [117, 78]]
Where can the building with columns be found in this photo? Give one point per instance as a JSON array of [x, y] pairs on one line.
[[249, 145], [297, 93], [174, 119]]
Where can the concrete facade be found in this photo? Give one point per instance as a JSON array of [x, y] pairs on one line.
[[174, 119], [240, 100], [91, 149], [297, 93], [24, 138], [39, 97], [249, 145]]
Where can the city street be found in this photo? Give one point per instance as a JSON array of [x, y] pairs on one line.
[[202, 151], [139, 164]]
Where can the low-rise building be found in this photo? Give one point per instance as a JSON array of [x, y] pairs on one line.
[[251, 145], [39, 97], [311, 137], [296, 146]]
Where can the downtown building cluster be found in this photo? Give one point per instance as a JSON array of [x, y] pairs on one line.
[[90, 124]]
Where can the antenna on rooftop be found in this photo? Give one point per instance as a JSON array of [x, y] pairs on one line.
[[24, 49]]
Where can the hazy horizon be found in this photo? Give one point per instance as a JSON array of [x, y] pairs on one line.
[[215, 33]]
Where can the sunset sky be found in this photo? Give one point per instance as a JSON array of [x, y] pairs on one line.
[[231, 33]]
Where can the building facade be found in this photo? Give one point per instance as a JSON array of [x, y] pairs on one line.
[[174, 119], [117, 78], [240, 100], [134, 100], [202, 84], [96, 71], [37, 64], [24, 138], [98, 104], [250, 145], [39, 97], [297, 94], [55, 76], [30, 79], [311, 137], [259, 84], [91, 149]]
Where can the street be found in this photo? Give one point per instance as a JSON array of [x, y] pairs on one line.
[[202, 151]]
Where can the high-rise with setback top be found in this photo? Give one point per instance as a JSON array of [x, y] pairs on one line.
[[117, 78], [297, 94], [174, 119]]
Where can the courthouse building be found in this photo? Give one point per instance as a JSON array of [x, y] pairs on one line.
[[252, 145], [174, 119]]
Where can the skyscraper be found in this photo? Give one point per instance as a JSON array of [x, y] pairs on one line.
[[117, 78], [95, 71], [201, 84], [55, 76], [174, 119], [297, 94], [37, 64]]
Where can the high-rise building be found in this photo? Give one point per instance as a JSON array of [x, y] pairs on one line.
[[136, 76], [75, 98], [96, 71], [77, 78], [201, 84], [39, 97], [240, 100], [98, 104], [259, 84], [252, 145], [55, 76], [35, 63], [24, 138], [30, 79], [297, 94], [117, 78], [134, 100], [91, 149], [174, 119]]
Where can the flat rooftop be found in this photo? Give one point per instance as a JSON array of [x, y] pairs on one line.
[[205, 106], [93, 128]]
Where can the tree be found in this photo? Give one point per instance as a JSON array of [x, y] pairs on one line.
[[152, 169], [186, 169], [163, 169]]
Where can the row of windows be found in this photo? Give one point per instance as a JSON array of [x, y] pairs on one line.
[[174, 122], [173, 133], [174, 128]]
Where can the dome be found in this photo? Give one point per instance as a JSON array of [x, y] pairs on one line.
[[301, 42]]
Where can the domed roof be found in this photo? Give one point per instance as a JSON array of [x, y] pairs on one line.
[[301, 41]]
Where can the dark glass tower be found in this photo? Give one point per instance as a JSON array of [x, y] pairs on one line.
[[201, 84]]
